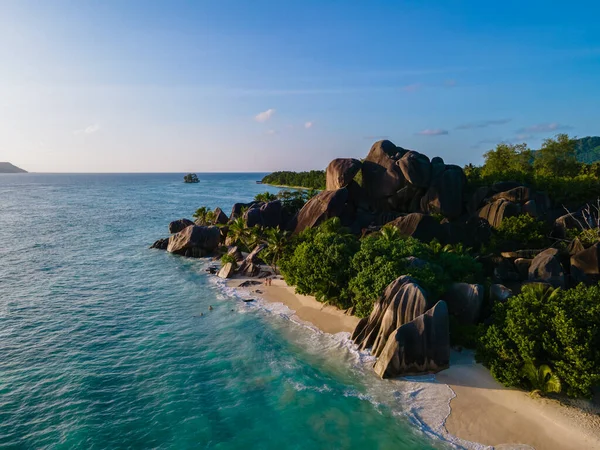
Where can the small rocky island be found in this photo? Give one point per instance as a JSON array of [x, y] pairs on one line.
[[6, 167], [432, 256], [191, 178]]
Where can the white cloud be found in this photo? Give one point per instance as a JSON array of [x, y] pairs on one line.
[[433, 132], [88, 130], [543, 127], [265, 115], [271, 132], [308, 124]]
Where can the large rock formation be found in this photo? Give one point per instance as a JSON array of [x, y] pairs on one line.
[[367, 330], [416, 168], [464, 301], [264, 214], [497, 210], [546, 268], [340, 172], [585, 265], [419, 346], [323, 206], [382, 177], [420, 226], [445, 194], [250, 267], [194, 241], [177, 225]]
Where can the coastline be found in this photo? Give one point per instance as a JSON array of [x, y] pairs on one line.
[[482, 411]]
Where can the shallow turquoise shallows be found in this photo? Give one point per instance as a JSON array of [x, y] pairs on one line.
[[102, 344]]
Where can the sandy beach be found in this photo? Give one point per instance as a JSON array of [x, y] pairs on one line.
[[483, 411]]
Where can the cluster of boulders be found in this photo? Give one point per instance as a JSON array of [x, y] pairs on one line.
[[426, 199]]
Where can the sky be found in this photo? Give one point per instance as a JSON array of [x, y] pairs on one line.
[[251, 86]]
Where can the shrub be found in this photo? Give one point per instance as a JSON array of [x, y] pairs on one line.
[[560, 329], [319, 265], [314, 179], [204, 216], [518, 232]]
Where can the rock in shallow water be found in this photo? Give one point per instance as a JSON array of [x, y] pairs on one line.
[[194, 241]]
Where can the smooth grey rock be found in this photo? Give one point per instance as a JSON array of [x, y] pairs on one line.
[[464, 301], [546, 268]]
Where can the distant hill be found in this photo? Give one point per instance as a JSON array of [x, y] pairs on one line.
[[588, 149], [6, 167]]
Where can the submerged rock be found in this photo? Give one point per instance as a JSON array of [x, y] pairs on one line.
[[419, 346], [161, 244]]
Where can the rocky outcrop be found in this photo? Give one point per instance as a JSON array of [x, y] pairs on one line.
[[226, 271], [585, 265], [236, 253], [546, 268], [250, 267], [239, 208], [264, 214], [417, 225], [323, 206], [161, 244], [177, 225], [419, 346], [416, 168], [367, 330], [499, 293], [521, 194], [497, 210], [194, 241], [340, 172], [382, 177], [220, 217], [445, 194], [464, 301]]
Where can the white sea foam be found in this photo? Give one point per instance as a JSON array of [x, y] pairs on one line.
[[421, 400]]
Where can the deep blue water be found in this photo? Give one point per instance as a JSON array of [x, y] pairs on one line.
[[102, 346]]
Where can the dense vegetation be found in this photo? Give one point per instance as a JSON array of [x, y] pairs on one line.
[[542, 326], [341, 269], [553, 169], [315, 179]]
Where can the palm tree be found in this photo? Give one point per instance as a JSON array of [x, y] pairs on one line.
[[237, 231], [541, 378], [276, 241]]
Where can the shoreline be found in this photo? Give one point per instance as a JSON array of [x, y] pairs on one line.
[[482, 411]]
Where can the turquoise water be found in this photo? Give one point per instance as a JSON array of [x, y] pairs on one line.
[[102, 345]]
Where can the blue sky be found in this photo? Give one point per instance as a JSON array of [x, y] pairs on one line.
[[139, 86]]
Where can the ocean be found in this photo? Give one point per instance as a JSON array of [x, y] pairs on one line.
[[102, 344]]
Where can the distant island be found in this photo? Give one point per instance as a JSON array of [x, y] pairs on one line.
[[191, 178], [6, 167]]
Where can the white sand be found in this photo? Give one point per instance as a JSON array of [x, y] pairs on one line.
[[483, 411]]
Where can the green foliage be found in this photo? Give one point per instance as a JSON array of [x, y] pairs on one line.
[[541, 379], [314, 179], [522, 231], [319, 264], [464, 335], [239, 234], [276, 242], [383, 258], [553, 169], [204, 216], [557, 328], [508, 162], [292, 201], [265, 197], [191, 178], [227, 258], [557, 156]]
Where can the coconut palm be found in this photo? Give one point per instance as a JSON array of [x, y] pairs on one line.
[[276, 241], [541, 378]]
